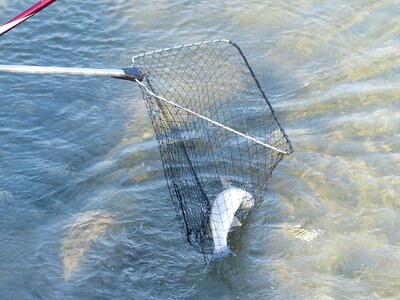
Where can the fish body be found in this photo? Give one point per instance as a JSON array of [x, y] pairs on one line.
[[80, 236], [222, 217]]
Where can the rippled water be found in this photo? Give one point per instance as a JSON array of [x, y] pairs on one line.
[[84, 206]]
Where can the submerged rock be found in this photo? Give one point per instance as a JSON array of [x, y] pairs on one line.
[[6, 200], [80, 236]]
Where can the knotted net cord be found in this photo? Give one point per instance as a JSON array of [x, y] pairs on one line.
[[213, 123]]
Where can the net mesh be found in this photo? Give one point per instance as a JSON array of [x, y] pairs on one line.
[[184, 88]]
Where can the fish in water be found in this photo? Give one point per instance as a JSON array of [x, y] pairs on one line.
[[222, 217], [82, 233]]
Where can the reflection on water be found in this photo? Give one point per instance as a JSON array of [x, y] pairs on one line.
[[73, 147]]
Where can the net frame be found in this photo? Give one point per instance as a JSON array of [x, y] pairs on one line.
[[195, 95]]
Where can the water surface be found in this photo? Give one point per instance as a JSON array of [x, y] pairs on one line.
[[80, 168]]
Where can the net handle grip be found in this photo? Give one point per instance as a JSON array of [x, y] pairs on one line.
[[131, 73]]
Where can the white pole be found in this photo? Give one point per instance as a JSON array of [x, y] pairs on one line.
[[62, 71]]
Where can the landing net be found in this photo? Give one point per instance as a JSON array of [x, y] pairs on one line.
[[215, 129]]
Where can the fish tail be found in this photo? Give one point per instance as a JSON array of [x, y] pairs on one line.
[[220, 253]]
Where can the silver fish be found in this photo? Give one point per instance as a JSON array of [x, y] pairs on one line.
[[222, 217], [82, 233]]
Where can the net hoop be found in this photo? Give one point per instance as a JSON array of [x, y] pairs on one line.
[[204, 117]]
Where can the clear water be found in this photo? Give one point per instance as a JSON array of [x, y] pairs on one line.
[[84, 208]]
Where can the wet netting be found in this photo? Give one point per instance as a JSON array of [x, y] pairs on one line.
[[218, 136]]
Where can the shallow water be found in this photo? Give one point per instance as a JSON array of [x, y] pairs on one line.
[[80, 154]]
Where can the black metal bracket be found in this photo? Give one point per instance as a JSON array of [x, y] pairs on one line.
[[133, 74]]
